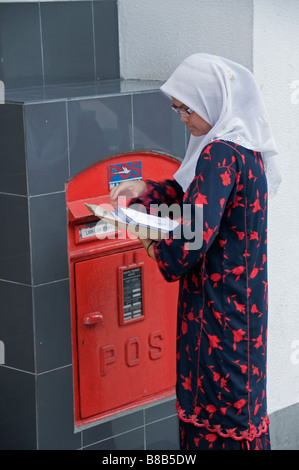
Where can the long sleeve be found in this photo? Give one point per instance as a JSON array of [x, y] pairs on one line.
[[166, 192], [204, 203]]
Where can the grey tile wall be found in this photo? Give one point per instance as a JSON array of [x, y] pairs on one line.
[[47, 147], [50, 140], [14, 239], [16, 325], [12, 161], [17, 410], [67, 29], [154, 428], [60, 118], [55, 422], [20, 45], [58, 42], [284, 430], [98, 128], [52, 325], [151, 129], [48, 238], [163, 434], [106, 39]]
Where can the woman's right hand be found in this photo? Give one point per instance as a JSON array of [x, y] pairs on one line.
[[129, 189]]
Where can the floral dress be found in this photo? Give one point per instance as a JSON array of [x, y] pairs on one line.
[[223, 292]]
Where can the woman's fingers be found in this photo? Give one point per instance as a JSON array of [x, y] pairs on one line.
[[128, 189]]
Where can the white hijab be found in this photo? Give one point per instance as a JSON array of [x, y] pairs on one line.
[[226, 95]]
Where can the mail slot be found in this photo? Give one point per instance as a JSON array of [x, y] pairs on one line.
[[123, 313]]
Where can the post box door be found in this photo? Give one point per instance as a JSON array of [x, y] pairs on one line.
[[126, 331]]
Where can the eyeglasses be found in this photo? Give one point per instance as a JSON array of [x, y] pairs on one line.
[[179, 110]]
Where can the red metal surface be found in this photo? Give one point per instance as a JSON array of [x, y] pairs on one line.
[[123, 312]]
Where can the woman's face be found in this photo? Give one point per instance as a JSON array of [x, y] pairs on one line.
[[196, 124]]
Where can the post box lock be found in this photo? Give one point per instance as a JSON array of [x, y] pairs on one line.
[[92, 318]]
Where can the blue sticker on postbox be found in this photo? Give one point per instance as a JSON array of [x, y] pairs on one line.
[[127, 171]]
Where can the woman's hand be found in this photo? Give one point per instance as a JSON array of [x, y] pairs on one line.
[[149, 246], [129, 189]]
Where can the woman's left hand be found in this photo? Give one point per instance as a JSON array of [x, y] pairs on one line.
[[149, 246]]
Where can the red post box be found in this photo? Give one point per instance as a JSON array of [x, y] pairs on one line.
[[123, 311]]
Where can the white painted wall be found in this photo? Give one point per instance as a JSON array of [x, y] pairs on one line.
[[276, 66], [155, 35]]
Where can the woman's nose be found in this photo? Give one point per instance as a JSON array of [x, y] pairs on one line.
[[184, 117]]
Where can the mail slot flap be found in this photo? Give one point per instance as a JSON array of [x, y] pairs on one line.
[[78, 209]]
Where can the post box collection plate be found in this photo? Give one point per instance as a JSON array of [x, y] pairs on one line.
[[123, 312]]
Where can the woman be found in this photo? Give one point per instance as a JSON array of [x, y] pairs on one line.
[[223, 294]]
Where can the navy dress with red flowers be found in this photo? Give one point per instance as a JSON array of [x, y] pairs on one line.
[[223, 295]]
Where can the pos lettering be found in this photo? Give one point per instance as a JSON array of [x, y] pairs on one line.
[[132, 351]]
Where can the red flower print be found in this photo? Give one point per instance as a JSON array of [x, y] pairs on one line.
[[222, 242], [231, 432], [187, 383], [208, 233], [238, 271], [258, 340], [181, 412], [217, 315], [211, 438], [225, 178], [213, 341], [240, 307], [184, 327], [256, 408], [243, 366], [255, 310], [223, 382], [239, 405], [238, 336], [207, 151], [241, 235], [250, 175], [199, 384], [254, 235], [201, 199], [254, 272], [216, 376], [215, 278], [190, 316], [211, 409], [256, 205]]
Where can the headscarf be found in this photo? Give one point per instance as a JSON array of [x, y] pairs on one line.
[[226, 95]]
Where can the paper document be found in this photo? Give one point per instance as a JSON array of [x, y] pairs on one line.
[[131, 216], [141, 224]]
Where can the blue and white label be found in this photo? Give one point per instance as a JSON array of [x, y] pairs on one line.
[[126, 171]]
